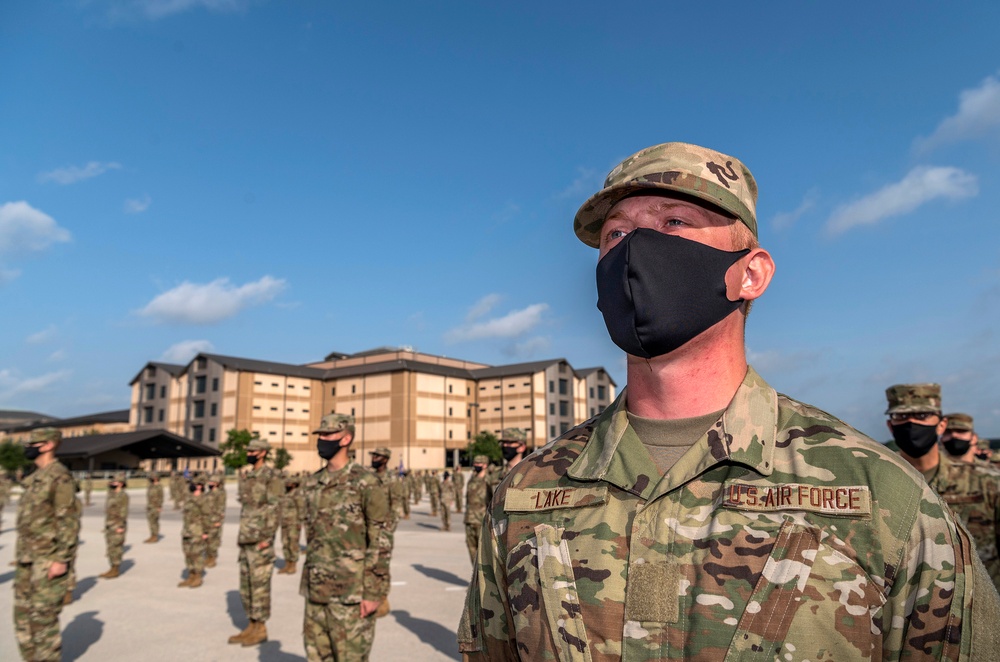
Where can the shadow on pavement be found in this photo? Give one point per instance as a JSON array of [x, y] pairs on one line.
[[126, 548], [6, 577], [127, 564], [79, 635], [440, 575], [431, 633], [234, 605], [84, 585], [270, 651], [429, 526]]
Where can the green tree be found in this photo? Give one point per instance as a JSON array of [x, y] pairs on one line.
[[484, 443], [282, 458], [234, 448], [12, 456]]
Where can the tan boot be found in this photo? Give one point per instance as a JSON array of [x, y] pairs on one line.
[[197, 580], [238, 638], [258, 635], [210, 562], [187, 582], [152, 539], [68, 598], [289, 568], [111, 573]]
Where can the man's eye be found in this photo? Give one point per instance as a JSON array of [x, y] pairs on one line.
[[674, 222], [616, 233]]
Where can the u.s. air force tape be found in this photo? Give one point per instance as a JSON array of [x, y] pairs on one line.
[[841, 500], [551, 498]]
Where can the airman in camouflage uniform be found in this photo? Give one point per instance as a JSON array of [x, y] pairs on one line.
[[433, 487], [416, 486], [216, 496], [48, 530], [514, 446], [447, 500], [972, 491], [477, 497], [406, 489], [197, 523], [5, 487], [88, 487], [115, 524], [154, 506], [346, 573], [291, 524], [709, 518], [458, 478], [394, 489]]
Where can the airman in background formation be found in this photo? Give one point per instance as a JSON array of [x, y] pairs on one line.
[[6, 484], [115, 524], [197, 524], [972, 491], [216, 504], [406, 490], [48, 530], [88, 487], [348, 546], [154, 506], [514, 446], [433, 487], [260, 493], [291, 524], [458, 478], [416, 486], [447, 500], [477, 498], [71, 570]]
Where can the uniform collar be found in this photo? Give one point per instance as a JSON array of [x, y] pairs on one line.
[[744, 434], [326, 476]]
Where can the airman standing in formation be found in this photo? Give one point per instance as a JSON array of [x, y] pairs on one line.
[[447, 500], [458, 478], [197, 524], [216, 497], [291, 524], [346, 573], [115, 524], [514, 446], [433, 486], [477, 498], [5, 487], [703, 515], [260, 494], [406, 491], [48, 529], [154, 506], [71, 571], [88, 487], [972, 491], [416, 486]]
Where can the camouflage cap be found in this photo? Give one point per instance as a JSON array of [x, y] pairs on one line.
[[913, 399], [480, 459], [381, 450], [679, 167], [960, 422], [199, 479], [45, 434], [513, 434], [333, 423], [258, 444], [119, 477]]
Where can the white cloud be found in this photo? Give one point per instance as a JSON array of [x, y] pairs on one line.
[[978, 114], [193, 303], [137, 205], [511, 325], [186, 350], [785, 220], [73, 174], [7, 275], [483, 307], [43, 336], [527, 348], [12, 385], [58, 355], [921, 185], [156, 9], [587, 182], [24, 228]]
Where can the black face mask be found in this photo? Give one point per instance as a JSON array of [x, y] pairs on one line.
[[659, 291], [193, 488], [32, 452], [509, 452], [378, 464], [326, 448], [913, 439], [478, 468], [957, 447]]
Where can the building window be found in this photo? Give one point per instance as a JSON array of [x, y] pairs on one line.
[[305, 411], [151, 371], [591, 392], [449, 434], [527, 383], [511, 385], [482, 388], [147, 414], [211, 434], [512, 407], [202, 362], [197, 432], [468, 434], [214, 409], [275, 384], [258, 383], [468, 391], [256, 406], [552, 432], [272, 433], [352, 411], [552, 386], [563, 428], [552, 409], [274, 409], [333, 390], [159, 416], [288, 434], [496, 387], [215, 383], [496, 409], [354, 389], [163, 391], [482, 410], [601, 395], [305, 388], [563, 408], [199, 384], [150, 391], [527, 406], [593, 412], [449, 411], [290, 409], [563, 387], [449, 389], [199, 409], [291, 386]]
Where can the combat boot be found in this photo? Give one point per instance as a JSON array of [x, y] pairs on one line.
[[68, 598], [257, 635], [152, 539], [289, 568], [111, 573], [238, 638], [187, 582], [210, 562], [197, 580]]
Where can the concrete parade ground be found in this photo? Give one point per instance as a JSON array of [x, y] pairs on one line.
[[142, 615]]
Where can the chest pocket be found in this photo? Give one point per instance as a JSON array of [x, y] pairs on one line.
[[810, 602]]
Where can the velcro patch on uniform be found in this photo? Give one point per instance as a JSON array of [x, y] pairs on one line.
[[843, 500], [552, 498]]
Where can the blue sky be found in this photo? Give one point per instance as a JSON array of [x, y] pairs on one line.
[[279, 180]]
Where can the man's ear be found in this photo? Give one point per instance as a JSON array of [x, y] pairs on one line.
[[756, 274], [346, 439]]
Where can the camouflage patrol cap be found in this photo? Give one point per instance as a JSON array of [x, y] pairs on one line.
[[513, 434], [480, 459], [119, 477], [381, 450], [334, 423], [258, 444], [960, 422], [44, 434], [913, 399], [199, 479], [679, 167]]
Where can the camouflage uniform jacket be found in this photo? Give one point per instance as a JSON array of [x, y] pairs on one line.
[[974, 495], [154, 496], [477, 496], [447, 491], [48, 526], [781, 534], [393, 496], [260, 495], [115, 511], [197, 517], [291, 511], [347, 537], [216, 504]]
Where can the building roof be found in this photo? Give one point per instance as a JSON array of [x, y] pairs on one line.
[[173, 369], [12, 418], [583, 373], [266, 367], [117, 416], [145, 444], [514, 369]]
